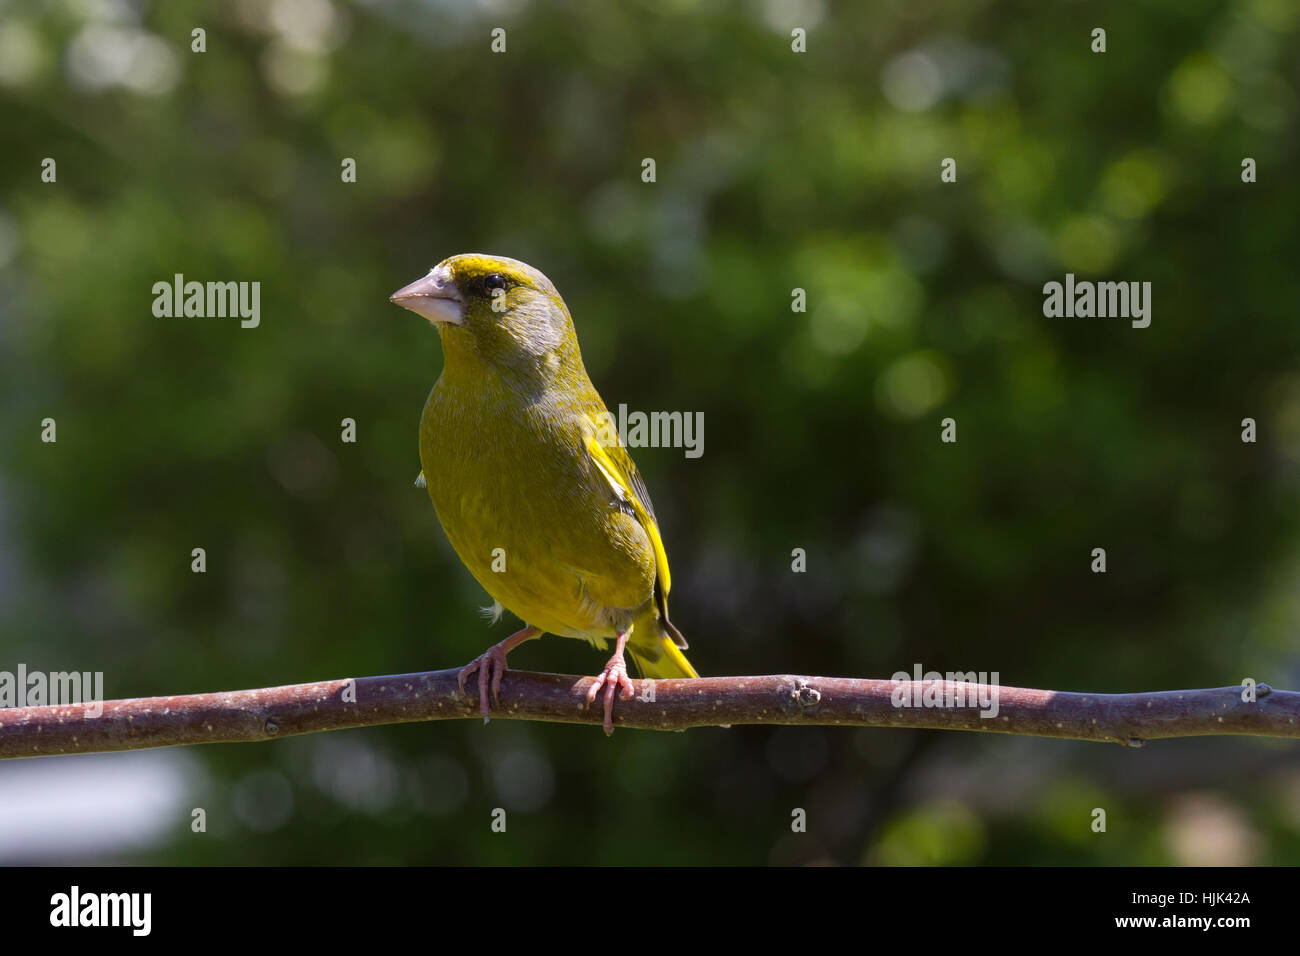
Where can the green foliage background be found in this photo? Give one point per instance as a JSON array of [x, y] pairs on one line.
[[775, 170]]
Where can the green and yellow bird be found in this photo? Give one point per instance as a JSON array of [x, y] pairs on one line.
[[548, 514]]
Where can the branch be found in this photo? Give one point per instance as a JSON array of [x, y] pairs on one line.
[[271, 712]]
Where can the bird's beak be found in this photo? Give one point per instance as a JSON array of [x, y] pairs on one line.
[[435, 297]]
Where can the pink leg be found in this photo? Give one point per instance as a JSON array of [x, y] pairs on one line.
[[491, 667], [613, 677]]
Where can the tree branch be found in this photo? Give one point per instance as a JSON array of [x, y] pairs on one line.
[[268, 713]]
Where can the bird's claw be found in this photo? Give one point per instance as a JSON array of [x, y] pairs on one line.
[[612, 678], [491, 667]]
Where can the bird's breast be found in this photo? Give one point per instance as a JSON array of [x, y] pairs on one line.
[[523, 506]]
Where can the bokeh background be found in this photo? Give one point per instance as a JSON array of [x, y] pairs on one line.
[[775, 170]]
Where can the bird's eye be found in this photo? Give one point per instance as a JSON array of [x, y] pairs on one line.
[[496, 281]]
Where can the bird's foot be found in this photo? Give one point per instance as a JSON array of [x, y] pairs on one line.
[[613, 677], [491, 667]]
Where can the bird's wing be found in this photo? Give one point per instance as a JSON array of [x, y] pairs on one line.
[[619, 470], [616, 465]]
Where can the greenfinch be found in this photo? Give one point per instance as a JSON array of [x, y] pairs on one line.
[[549, 515]]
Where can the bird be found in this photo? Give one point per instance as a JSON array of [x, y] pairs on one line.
[[540, 500]]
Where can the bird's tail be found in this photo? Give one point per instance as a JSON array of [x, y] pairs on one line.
[[662, 659]]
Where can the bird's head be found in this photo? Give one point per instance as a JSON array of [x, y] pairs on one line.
[[496, 309]]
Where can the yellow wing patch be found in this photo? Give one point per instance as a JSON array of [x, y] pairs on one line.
[[629, 488]]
